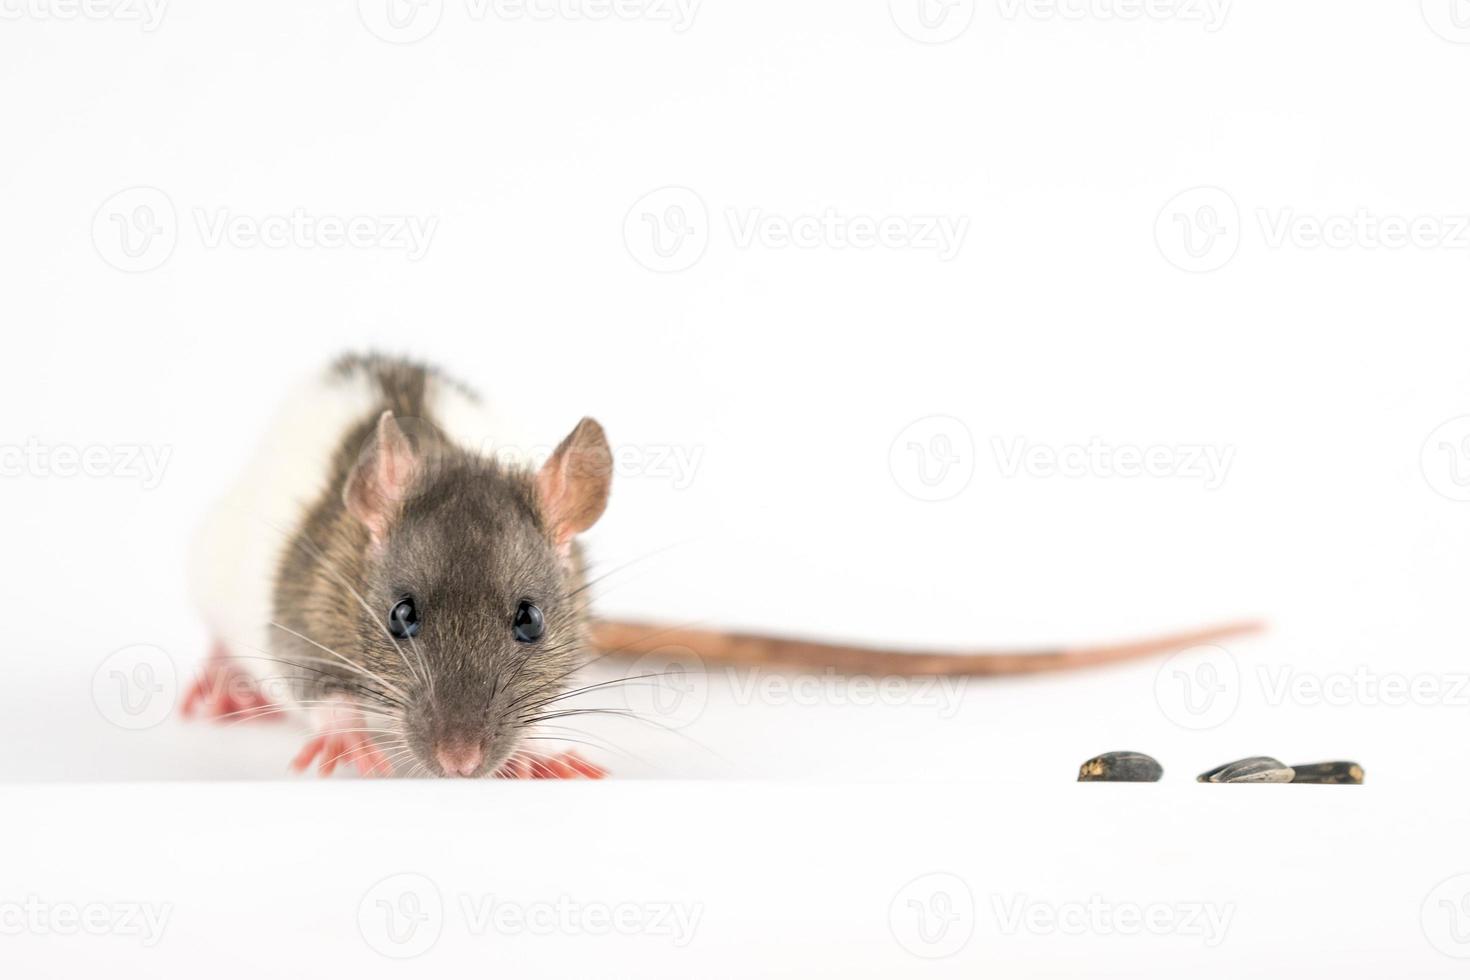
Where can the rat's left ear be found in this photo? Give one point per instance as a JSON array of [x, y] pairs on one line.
[[573, 485], [377, 485]]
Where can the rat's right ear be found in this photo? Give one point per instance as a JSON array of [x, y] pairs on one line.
[[572, 486], [378, 483]]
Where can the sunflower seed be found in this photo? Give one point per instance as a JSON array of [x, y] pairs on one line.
[[1256, 769], [1120, 767], [1334, 773]]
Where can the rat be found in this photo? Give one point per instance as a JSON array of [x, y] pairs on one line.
[[383, 569]]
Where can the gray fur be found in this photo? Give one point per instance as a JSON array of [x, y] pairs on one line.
[[469, 543]]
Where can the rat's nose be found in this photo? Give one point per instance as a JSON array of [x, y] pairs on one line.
[[459, 758]]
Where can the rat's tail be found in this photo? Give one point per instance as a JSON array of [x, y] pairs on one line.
[[782, 653]]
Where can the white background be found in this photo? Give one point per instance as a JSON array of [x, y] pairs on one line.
[[1070, 147]]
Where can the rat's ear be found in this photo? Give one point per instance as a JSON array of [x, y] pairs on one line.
[[379, 482], [572, 486]]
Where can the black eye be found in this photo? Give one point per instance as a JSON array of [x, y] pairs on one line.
[[528, 623], [403, 619]]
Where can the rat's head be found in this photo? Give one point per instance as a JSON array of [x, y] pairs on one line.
[[472, 612]]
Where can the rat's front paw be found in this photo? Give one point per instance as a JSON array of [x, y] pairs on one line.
[[352, 748], [223, 690]]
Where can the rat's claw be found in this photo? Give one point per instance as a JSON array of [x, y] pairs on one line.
[[565, 765], [351, 747]]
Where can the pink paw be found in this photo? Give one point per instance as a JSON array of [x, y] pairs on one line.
[[346, 747], [223, 690], [565, 765]]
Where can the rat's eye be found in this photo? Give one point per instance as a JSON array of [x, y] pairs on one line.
[[529, 623], [403, 619]]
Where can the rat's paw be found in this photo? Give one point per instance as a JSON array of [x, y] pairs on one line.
[[223, 690], [351, 748], [564, 765]]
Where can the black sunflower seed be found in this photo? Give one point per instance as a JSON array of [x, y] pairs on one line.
[[1120, 767], [1256, 769], [1333, 773]]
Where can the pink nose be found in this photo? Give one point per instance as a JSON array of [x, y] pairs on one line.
[[459, 759]]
